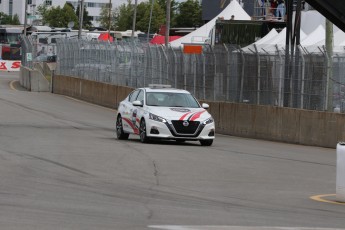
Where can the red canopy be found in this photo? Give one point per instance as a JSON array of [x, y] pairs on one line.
[[105, 37], [158, 39]]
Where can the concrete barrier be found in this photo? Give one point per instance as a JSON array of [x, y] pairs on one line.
[[95, 92], [33, 80], [306, 127], [315, 128]]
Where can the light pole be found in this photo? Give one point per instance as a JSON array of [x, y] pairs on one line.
[[25, 16], [148, 30], [109, 26], [167, 27], [134, 18], [81, 12]]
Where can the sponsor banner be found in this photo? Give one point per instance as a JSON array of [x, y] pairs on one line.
[[9, 65]]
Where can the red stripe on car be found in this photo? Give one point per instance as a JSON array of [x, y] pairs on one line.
[[197, 115], [135, 129], [184, 115]]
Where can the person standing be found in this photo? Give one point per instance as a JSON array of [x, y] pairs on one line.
[[280, 13]]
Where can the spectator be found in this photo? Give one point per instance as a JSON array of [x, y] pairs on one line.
[[274, 5], [280, 13]]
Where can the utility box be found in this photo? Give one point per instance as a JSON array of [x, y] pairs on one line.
[[340, 172]]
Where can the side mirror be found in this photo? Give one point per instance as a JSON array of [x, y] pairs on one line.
[[137, 103], [205, 106]]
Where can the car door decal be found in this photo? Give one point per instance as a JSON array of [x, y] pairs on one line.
[[130, 123]]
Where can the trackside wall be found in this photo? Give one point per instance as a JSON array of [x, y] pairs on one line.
[[289, 125], [95, 92]]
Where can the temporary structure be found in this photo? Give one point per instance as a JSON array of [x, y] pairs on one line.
[[202, 34], [263, 41], [159, 39]]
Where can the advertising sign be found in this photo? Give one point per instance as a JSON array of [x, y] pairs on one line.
[[9, 65]]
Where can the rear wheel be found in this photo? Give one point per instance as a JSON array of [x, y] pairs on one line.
[[142, 132], [121, 135], [206, 142]]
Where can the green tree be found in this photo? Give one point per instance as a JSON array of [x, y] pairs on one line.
[[104, 18], [189, 14], [9, 20], [143, 16], [57, 16], [87, 24], [124, 16], [173, 10], [15, 20]]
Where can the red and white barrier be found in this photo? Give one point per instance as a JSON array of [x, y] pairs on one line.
[[9, 65]]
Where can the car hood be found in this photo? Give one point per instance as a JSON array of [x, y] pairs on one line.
[[174, 113]]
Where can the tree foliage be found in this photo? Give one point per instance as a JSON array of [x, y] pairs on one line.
[[189, 14], [87, 24], [9, 20], [104, 18], [57, 16], [185, 14]]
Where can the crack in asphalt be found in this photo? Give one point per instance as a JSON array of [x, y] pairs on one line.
[[46, 160]]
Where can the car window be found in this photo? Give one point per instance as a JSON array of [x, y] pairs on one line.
[[140, 96], [133, 96], [169, 99]]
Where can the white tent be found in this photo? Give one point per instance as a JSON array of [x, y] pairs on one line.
[[273, 33], [203, 33], [314, 37]]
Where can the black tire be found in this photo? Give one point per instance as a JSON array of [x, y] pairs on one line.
[[121, 135], [142, 132], [207, 142]]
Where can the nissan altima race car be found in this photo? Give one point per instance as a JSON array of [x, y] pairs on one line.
[[161, 112]]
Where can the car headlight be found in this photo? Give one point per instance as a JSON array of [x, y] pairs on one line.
[[208, 121], [156, 118]]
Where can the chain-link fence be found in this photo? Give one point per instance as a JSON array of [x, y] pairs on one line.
[[221, 73]]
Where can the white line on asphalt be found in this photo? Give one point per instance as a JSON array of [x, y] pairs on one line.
[[213, 227]]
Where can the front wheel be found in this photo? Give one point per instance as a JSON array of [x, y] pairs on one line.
[[206, 142], [121, 135], [142, 130]]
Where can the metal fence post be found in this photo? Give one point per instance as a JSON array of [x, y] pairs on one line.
[[258, 75], [242, 75], [175, 64], [167, 63], [302, 77], [184, 70], [204, 75], [280, 90], [327, 79], [227, 72]]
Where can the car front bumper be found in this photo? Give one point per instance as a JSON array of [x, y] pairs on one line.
[[166, 130]]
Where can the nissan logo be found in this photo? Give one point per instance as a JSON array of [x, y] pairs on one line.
[[185, 123]]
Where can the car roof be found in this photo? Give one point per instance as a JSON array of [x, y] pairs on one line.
[[168, 90]]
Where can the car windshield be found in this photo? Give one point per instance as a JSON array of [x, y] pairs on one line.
[[170, 99]]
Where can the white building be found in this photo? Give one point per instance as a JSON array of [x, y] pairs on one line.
[[12, 7]]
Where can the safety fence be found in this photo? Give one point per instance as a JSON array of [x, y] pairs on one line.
[[220, 73]]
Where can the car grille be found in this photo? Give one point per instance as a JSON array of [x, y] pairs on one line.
[[190, 129]]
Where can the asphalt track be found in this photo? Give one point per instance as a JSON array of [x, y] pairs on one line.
[[62, 168]]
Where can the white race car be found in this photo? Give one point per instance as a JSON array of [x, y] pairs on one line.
[[161, 112]]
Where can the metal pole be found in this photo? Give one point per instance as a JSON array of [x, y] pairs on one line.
[[25, 17], [81, 12], [288, 45], [258, 75], [302, 79], [167, 27], [134, 19], [329, 49], [148, 30], [109, 18]]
